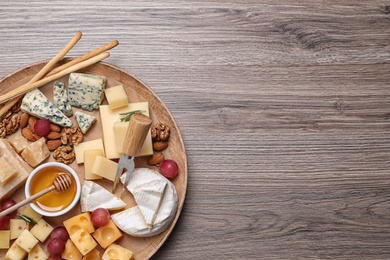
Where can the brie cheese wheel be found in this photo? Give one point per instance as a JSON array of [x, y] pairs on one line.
[[148, 197], [132, 221], [94, 196]]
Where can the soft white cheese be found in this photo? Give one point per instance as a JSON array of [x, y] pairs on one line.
[[94, 196], [132, 221]]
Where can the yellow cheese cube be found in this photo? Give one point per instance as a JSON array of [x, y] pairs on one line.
[[17, 226], [18, 141], [71, 252], [41, 230], [15, 252], [37, 253], [104, 167], [26, 240], [7, 171], [36, 152], [92, 255], [116, 96], [83, 241], [88, 145], [109, 117], [114, 252], [29, 212], [89, 159], [107, 234], [5, 237], [81, 221]]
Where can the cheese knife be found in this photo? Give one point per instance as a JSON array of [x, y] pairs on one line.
[[137, 130]]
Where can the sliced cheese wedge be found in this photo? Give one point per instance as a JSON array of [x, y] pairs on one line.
[[148, 198], [37, 104], [94, 196], [132, 221]]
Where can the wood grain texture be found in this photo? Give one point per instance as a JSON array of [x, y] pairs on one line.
[[283, 107]]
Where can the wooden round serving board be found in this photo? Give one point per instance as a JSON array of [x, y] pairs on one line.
[[137, 91]]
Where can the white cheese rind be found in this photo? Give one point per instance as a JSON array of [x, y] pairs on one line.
[[86, 90], [148, 197], [94, 196], [132, 222], [84, 121], [37, 104]]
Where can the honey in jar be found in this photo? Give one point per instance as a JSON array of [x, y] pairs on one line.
[[54, 200]]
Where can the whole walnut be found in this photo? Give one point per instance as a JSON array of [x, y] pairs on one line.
[[160, 132]]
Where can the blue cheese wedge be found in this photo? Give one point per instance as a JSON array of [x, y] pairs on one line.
[[85, 121], [86, 91], [66, 109], [60, 96], [37, 104]]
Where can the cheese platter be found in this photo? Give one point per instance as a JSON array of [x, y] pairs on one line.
[[143, 242]]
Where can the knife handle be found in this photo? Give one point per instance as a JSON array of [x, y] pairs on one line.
[[137, 130]]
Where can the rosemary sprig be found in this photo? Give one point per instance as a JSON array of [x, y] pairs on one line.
[[27, 219], [127, 115]]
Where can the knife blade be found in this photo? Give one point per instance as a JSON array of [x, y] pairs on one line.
[[137, 130]]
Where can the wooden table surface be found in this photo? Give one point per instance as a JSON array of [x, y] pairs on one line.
[[284, 108]]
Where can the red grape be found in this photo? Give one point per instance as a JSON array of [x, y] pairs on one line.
[[56, 246], [7, 204], [42, 127], [54, 257], [100, 217], [59, 232], [168, 168], [4, 222]]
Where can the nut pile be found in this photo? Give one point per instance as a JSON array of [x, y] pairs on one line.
[[160, 137], [59, 140]]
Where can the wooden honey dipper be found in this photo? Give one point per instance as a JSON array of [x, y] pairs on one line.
[[61, 183]]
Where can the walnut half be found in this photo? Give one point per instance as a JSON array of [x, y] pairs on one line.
[[71, 135], [160, 132], [64, 154]]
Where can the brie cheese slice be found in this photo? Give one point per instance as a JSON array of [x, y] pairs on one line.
[[132, 220], [94, 196], [148, 197]]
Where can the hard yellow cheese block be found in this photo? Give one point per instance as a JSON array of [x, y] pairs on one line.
[[5, 237], [17, 226], [18, 141], [71, 252], [81, 221], [88, 145], [89, 159], [83, 241], [41, 230], [15, 252], [9, 154], [37, 253], [107, 234], [7, 171], [109, 117], [36, 152], [26, 240], [115, 251], [116, 96], [104, 167], [94, 254]]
